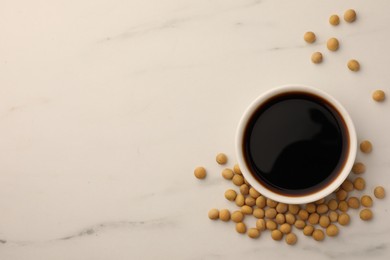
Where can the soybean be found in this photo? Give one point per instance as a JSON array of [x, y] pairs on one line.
[[309, 37], [230, 195], [291, 239], [227, 174], [332, 230], [276, 235], [366, 201], [343, 219], [236, 169], [285, 228], [221, 158], [237, 216], [213, 214], [224, 215], [366, 214], [200, 172], [379, 192], [333, 44], [334, 20], [258, 213], [359, 183], [350, 16], [318, 235], [353, 65], [241, 228], [358, 168], [378, 95], [253, 233], [366, 146]]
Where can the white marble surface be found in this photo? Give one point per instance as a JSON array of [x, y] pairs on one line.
[[106, 107]]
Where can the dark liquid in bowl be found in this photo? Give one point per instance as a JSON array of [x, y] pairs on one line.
[[295, 143]]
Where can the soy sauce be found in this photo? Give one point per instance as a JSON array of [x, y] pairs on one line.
[[295, 143]]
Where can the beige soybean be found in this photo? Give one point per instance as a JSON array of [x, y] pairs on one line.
[[276, 235], [291, 239], [353, 65], [366, 146], [341, 194], [258, 213], [237, 216], [303, 214], [250, 201], [322, 209], [358, 168], [324, 221], [253, 233], [200, 172], [378, 95], [308, 230], [333, 204], [270, 224], [366, 214], [359, 183], [290, 218], [246, 210], [379, 192], [254, 193], [334, 19], [293, 209], [241, 228], [238, 180], [224, 215], [366, 201], [261, 202], [271, 203], [332, 44], [300, 224], [313, 218], [333, 216], [270, 213], [213, 214], [221, 158], [316, 57], [343, 206], [227, 174], [281, 208], [344, 219], [353, 202], [240, 200], [319, 202], [236, 169], [260, 224], [347, 185], [350, 16], [318, 235], [280, 218], [309, 37], [244, 189], [285, 228], [311, 207], [332, 230], [230, 194]]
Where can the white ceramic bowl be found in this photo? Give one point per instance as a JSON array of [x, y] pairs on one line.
[[296, 199]]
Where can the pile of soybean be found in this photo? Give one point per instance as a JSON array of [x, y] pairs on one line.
[[317, 220]]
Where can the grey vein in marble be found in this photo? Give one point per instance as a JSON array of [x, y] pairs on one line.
[[172, 23], [96, 229]]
